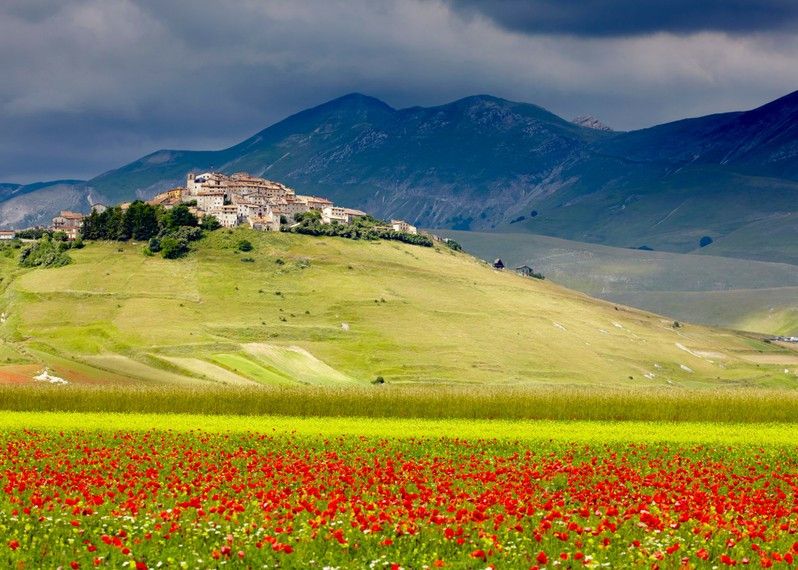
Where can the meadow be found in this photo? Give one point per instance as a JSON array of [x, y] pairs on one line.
[[730, 292], [330, 311], [729, 406]]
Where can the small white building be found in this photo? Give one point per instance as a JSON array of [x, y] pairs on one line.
[[227, 215], [340, 215], [403, 226], [7, 235], [210, 201]]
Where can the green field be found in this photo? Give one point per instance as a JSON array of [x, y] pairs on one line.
[[335, 311], [592, 432], [719, 291], [600, 403]]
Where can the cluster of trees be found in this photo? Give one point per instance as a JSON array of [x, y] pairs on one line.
[[48, 252], [168, 232], [365, 227]]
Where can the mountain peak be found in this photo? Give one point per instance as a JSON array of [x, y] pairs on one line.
[[357, 100], [591, 122]]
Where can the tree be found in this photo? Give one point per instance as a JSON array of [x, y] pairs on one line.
[[210, 223], [140, 221], [179, 216], [172, 247]]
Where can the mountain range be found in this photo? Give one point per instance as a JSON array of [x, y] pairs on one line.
[[485, 163]]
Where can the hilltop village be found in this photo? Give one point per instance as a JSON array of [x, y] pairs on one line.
[[238, 199]]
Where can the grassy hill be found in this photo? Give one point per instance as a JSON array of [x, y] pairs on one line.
[[708, 289], [335, 311]]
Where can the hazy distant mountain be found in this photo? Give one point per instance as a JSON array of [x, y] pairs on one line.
[[491, 164], [36, 204]]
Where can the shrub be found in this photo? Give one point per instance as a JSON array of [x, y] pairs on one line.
[[154, 245], [210, 223], [451, 244], [187, 233], [245, 245], [172, 247], [248, 259], [44, 253]]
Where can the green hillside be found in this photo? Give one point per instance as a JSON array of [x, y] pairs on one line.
[[708, 289], [336, 311]]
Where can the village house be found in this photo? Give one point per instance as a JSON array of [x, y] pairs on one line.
[[68, 222], [340, 215], [403, 226], [168, 199], [524, 270], [227, 215], [498, 263], [98, 208], [7, 235], [210, 201]]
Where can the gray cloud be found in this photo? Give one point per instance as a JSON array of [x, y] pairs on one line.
[[89, 85], [635, 17]]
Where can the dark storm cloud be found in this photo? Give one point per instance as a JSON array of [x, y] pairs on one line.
[[89, 85], [635, 17]]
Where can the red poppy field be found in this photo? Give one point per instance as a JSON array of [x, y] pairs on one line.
[[168, 499]]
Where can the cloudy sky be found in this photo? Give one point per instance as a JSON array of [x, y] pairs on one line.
[[88, 85]]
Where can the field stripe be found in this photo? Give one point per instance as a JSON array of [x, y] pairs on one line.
[[524, 431]]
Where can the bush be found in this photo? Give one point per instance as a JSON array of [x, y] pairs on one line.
[[365, 227], [244, 245], [186, 233], [248, 259], [154, 245], [44, 253], [33, 233], [451, 244], [172, 247], [210, 223]]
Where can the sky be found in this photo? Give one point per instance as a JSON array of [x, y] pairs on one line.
[[90, 85]]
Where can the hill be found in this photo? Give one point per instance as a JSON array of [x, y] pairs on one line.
[[485, 163], [719, 291], [336, 311]]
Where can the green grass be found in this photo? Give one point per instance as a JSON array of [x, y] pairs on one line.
[[462, 403], [343, 312], [707, 289], [522, 431]]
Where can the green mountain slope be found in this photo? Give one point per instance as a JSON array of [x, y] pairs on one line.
[[719, 291], [330, 310], [484, 163]]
